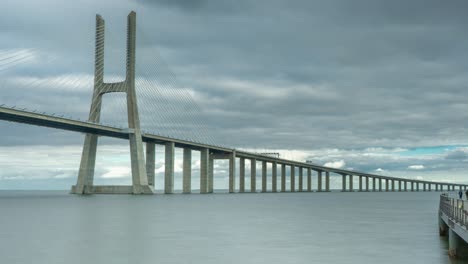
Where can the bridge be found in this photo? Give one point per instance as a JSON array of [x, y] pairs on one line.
[[453, 222], [143, 158]]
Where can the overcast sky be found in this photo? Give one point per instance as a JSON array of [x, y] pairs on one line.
[[371, 85]]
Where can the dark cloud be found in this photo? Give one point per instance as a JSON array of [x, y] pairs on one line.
[[267, 74], [456, 155]]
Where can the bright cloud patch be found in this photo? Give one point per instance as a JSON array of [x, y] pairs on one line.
[[416, 167], [335, 164], [117, 172]]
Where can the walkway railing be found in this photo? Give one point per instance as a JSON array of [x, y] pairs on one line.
[[454, 208]]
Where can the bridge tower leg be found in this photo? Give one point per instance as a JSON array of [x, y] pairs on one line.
[[85, 180]]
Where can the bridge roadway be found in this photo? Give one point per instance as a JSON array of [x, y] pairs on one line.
[[219, 152]]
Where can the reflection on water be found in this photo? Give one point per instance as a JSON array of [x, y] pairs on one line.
[[54, 227]]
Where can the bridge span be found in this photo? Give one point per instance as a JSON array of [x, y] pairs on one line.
[[143, 159], [367, 182]]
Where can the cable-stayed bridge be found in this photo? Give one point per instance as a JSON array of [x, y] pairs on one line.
[[143, 159]]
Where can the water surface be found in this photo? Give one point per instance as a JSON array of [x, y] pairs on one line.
[[55, 227]]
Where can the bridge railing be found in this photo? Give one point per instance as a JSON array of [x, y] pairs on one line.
[[454, 208]]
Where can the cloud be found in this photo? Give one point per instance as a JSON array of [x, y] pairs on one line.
[[416, 167], [117, 172], [456, 155], [335, 164]]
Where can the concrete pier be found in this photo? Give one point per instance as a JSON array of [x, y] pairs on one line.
[[343, 182], [374, 184], [264, 176], [283, 177], [293, 179], [274, 172], [319, 181], [300, 189], [242, 175], [386, 185], [380, 184], [204, 167], [169, 168], [309, 179], [150, 161], [367, 184], [351, 188], [187, 171], [253, 175], [360, 183], [327, 181], [232, 172]]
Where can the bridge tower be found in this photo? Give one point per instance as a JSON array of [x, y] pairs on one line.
[[85, 180]]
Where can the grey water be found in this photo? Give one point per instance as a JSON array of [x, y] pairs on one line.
[[55, 227]]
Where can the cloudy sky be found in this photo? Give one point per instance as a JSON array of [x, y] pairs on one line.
[[370, 85]]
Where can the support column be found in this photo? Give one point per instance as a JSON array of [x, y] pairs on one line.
[[274, 181], [437, 187], [242, 175], [264, 176], [393, 185], [232, 172], [424, 187], [187, 171], [412, 186], [204, 167], [374, 184], [429, 187], [367, 183], [360, 183], [343, 182], [301, 187], [253, 175], [399, 186], [458, 248], [169, 168], [386, 185], [319, 181], [406, 186], [327, 181], [283, 177], [210, 173], [293, 179], [351, 188], [417, 186], [150, 161], [309, 179], [380, 184]]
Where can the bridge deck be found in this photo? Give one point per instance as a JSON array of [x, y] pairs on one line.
[[41, 119]]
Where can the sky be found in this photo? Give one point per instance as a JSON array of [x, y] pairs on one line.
[[369, 85]]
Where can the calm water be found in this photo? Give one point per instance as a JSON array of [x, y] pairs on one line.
[[54, 227]]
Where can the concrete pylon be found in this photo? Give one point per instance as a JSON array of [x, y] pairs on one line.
[[85, 180]]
